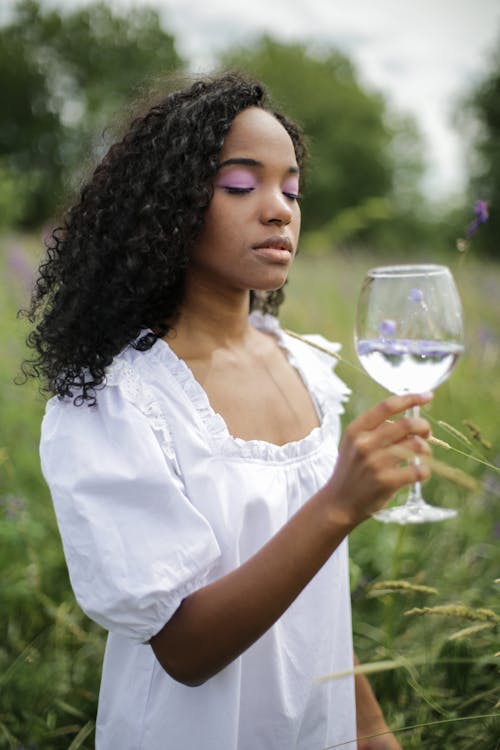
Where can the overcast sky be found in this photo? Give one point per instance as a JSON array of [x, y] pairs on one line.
[[422, 54]]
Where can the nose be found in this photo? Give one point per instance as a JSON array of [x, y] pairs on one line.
[[276, 208]]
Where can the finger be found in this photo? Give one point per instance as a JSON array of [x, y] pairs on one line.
[[389, 408], [395, 431], [404, 475], [416, 445], [399, 454], [407, 450], [392, 479], [414, 472]]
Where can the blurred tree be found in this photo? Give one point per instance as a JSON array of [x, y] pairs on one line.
[[30, 131], [62, 78], [484, 107], [355, 156]]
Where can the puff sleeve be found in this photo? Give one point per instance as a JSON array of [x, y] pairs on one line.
[[135, 545]]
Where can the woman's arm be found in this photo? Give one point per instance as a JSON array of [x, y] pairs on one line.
[[218, 622]]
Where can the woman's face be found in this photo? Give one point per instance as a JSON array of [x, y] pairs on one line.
[[252, 224]]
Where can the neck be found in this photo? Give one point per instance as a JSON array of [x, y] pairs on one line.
[[209, 318]]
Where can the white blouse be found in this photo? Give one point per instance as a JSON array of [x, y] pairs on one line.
[[154, 499]]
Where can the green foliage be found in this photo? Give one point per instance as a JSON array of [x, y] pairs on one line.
[[448, 673], [50, 654], [12, 192], [483, 107], [63, 78], [29, 130], [347, 224]]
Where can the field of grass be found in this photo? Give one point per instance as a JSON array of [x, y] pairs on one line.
[[424, 597]]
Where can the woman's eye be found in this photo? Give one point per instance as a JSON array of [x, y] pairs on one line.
[[232, 190], [290, 188], [237, 182], [292, 196]]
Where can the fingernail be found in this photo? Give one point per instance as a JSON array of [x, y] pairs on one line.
[[427, 395]]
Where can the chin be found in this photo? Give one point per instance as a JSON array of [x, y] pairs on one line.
[[272, 285]]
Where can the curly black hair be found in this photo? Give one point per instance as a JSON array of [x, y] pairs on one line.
[[116, 266]]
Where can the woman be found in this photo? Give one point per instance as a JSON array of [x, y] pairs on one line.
[[191, 448]]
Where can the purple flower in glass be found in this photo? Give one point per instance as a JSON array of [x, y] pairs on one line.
[[415, 295], [387, 328], [481, 212]]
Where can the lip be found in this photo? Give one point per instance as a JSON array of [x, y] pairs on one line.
[[276, 242]]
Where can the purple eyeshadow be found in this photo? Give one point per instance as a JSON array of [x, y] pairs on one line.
[[244, 180], [237, 178], [291, 186]]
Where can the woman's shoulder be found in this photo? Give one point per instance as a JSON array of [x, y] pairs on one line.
[[128, 397], [121, 388], [127, 375]]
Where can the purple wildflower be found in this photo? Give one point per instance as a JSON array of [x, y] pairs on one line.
[[387, 328], [46, 235], [415, 295], [485, 335], [20, 265], [14, 506], [491, 486], [481, 212]]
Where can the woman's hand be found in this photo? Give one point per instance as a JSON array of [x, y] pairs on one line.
[[371, 464]]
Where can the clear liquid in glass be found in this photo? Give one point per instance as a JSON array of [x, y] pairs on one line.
[[409, 336], [408, 366]]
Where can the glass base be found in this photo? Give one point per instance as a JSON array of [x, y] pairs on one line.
[[414, 513]]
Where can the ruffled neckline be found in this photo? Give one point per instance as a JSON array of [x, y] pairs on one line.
[[315, 379]]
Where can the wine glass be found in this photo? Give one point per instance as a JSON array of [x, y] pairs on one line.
[[409, 335]]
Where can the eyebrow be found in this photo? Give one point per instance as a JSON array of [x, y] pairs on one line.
[[251, 163]]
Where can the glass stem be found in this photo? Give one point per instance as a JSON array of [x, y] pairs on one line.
[[415, 491]]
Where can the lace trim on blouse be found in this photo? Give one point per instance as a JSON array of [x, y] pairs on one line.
[[133, 388], [314, 366]]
